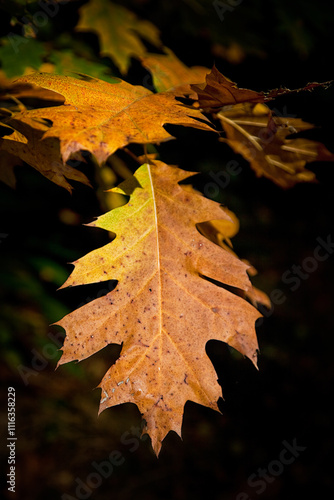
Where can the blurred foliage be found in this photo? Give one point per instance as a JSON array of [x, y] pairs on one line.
[[260, 45]]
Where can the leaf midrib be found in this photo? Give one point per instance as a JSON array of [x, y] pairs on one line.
[[158, 263]]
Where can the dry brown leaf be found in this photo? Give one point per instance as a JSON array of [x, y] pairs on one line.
[[219, 91], [263, 140]]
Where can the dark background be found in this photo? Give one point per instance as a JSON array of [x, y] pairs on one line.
[[59, 435]]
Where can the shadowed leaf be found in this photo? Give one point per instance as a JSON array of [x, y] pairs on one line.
[[263, 140], [119, 30], [169, 73]]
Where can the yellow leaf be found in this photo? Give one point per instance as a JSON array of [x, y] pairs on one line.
[[119, 31], [169, 73]]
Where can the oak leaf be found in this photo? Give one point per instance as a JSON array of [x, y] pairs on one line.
[[165, 308], [221, 232], [24, 144], [102, 117], [15, 92], [119, 30], [169, 73], [264, 140], [219, 91]]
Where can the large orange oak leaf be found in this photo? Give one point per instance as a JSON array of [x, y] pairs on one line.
[[165, 308], [102, 117]]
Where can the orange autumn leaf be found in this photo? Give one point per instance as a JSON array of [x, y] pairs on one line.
[[165, 308], [20, 145], [10, 90], [102, 117]]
